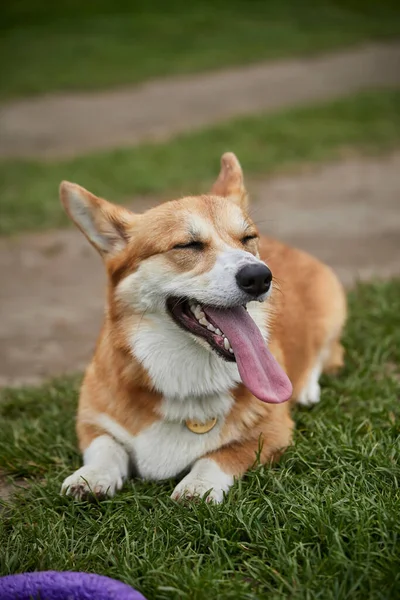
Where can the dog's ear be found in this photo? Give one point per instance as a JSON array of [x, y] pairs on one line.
[[230, 181], [105, 225]]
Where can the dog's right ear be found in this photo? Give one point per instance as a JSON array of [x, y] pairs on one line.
[[105, 225]]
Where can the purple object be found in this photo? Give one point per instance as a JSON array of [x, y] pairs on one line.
[[60, 585]]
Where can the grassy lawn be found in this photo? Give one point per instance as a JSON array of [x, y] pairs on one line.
[[48, 46], [264, 144], [322, 524]]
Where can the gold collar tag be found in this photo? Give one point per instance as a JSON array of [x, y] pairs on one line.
[[197, 427]]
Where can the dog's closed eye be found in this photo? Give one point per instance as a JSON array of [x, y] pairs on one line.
[[192, 245], [248, 238]]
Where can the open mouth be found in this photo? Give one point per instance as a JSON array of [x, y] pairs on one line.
[[235, 337], [195, 318]]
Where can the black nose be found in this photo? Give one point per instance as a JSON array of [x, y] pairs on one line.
[[254, 279]]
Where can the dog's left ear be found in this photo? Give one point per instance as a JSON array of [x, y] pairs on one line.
[[105, 225], [230, 182]]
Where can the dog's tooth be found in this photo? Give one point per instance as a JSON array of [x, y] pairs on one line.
[[230, 350], [210, 327], [204, 322], [218, 331], [226, 343], [198, 313], [192, 309]]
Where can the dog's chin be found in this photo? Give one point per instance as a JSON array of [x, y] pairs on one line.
[[191, 316]]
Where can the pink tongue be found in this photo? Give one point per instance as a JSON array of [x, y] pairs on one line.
[[259, 370]]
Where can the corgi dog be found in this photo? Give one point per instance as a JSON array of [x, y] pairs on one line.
[[209, 331]]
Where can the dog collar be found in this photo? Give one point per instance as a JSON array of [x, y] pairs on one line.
[[197, 427]]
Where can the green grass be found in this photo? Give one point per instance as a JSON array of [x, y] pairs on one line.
[[48, 46], [324, 523], [368, 122]]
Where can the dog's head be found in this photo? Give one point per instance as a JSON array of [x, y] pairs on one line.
[[191, 266]]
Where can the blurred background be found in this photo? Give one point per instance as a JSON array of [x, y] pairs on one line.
[[137, 101]]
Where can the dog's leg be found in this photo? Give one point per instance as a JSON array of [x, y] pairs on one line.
[[206, 475], [216, 472], [105, 469], [335, 358], [310, 393], [329, 360]]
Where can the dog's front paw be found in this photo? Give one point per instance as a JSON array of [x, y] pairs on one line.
[[206, 476], [88, 481], [190, 488]]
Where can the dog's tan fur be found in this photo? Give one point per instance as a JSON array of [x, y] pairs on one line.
[[305, 316]]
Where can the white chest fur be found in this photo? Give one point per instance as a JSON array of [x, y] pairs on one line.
[[168, 447]]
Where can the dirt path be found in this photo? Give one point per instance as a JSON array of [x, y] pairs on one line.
[[51, 297], [68, 124]]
